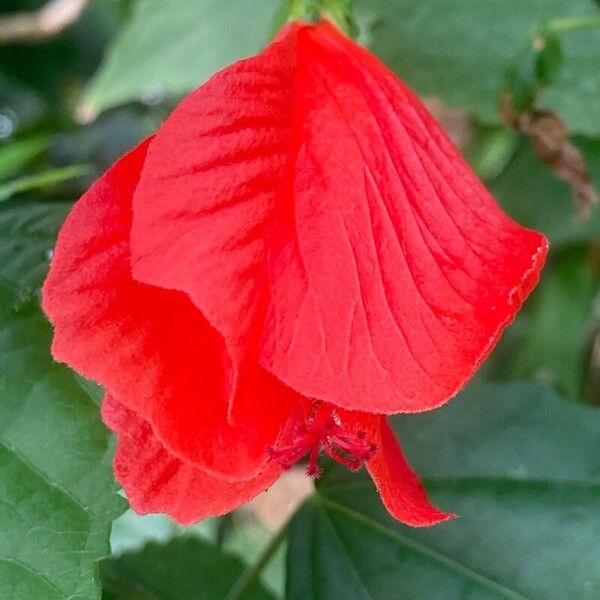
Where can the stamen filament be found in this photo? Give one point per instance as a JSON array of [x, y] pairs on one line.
[[325, 431]]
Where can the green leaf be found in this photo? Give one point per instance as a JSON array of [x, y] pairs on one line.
[[560, 309], [57, 494], [536, 198], [523, 80], [40, 81], [184, 569], [518, 464], [172, 46], [263, 552], [17, 154], [21, 107], [536, 66], [550, 58], [40, 180], [236, 534], [460, 51], [575, 91], [131, 532], [27, 233]]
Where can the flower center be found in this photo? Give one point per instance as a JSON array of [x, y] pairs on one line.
[[324, 431]]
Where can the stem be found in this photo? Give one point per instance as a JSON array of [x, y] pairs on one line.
[[46, 22], [312, 11], [247, 578], [574, 23]]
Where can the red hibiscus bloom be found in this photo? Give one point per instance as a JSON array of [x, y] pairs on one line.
[[298, 252]]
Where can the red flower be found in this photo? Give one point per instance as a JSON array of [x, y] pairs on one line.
[[299, 251]]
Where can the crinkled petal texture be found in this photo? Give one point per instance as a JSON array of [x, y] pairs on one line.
[[158, 481], [316, 214], [299, 230], [151, 347]]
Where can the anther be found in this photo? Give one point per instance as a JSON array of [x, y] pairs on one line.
[[324, 431]]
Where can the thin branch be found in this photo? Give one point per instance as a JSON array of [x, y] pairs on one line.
[[48, 21], [553, 145], [573, 23], [250, 575]]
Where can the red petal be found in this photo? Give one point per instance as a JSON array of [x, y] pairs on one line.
[[157, 481], [399, 487], [151, 347], [210, 190], [325, 225]]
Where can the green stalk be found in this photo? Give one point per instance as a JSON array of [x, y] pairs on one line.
[[247, 578], [312, 11], [40, 180], [574, 23]]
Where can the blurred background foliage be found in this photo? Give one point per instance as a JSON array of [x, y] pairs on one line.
[[74, 100]]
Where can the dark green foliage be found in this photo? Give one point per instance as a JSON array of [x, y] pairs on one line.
[[517, 464]]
